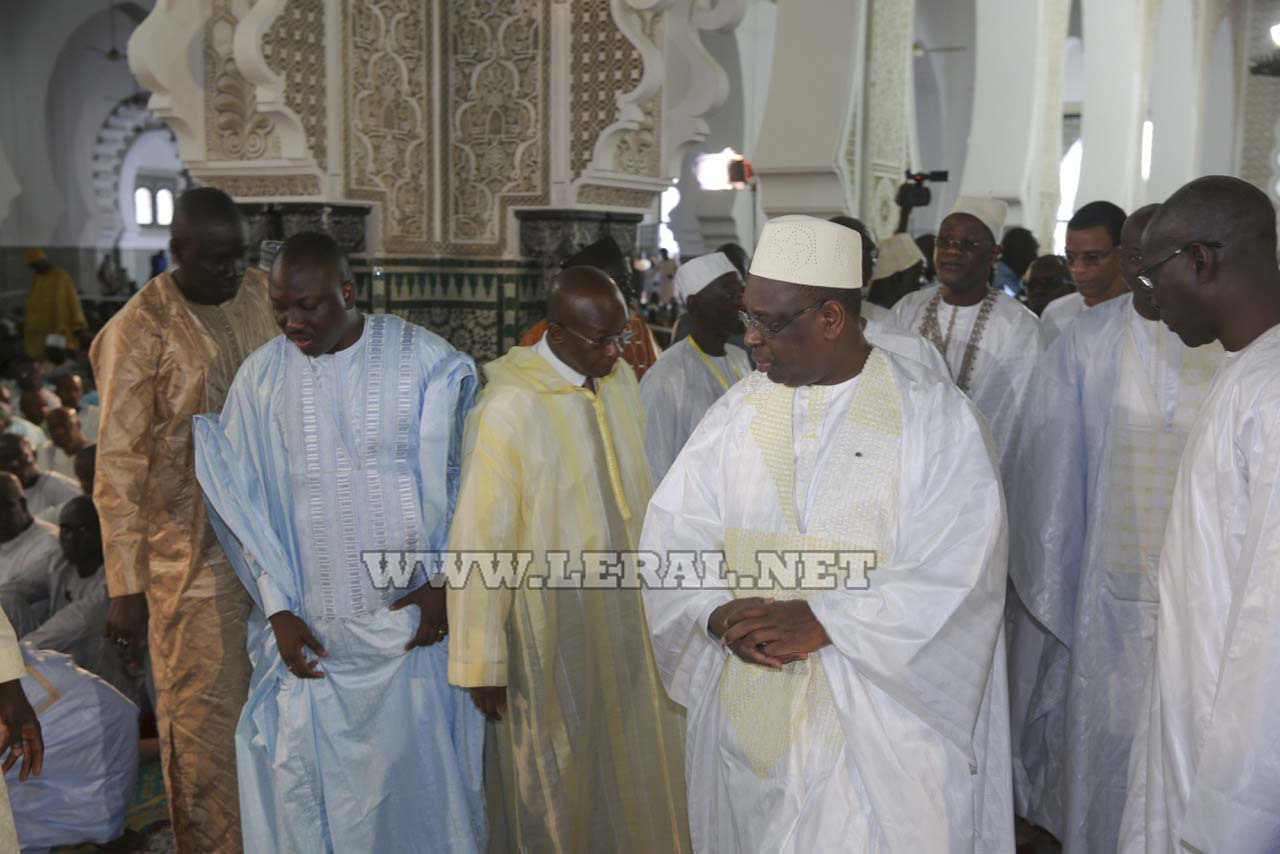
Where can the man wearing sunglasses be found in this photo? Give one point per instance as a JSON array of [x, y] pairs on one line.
[[989, 340], [865, 715], [1108, 411], [1206, 769], [554, 465]]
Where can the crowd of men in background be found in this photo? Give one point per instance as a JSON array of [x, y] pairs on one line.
[[1067, 618]]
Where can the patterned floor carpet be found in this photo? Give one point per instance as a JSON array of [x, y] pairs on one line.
[[147, 824]]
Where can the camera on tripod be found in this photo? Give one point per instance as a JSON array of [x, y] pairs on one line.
[[914, 193]]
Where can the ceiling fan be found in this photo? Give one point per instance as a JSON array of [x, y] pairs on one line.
[[112, 54]]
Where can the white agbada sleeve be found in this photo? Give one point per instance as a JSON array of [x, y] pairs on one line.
[[1234, 800], [684, 516], [925, 629], [660, 396]]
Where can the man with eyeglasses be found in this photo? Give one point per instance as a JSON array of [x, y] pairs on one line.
[[989, 340], [1047, 279], [641, 349], [1102, 430], [586, 753], [692, 373], [168, 355], [850, 716], [1093, 258], [1205, 771]]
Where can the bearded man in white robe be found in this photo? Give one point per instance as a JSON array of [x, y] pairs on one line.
[[990, 340], [1102, 430], [1204, 773], [691, 374], [863, 717]]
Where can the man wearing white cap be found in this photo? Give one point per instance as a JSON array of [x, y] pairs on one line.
[[989, 340], [897, 273], [692, 374], [865, 715]]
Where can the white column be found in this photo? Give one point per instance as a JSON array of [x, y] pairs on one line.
[[810, 134], [1017, 107], [1115, 39]]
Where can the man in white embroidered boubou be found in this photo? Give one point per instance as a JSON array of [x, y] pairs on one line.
[[853, 717], [692, 374], [339, 438], [989, 340]]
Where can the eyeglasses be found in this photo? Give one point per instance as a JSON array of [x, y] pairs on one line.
[[771, 328], [621, 340], [965, 246], [1145, 275], [1088, 259]]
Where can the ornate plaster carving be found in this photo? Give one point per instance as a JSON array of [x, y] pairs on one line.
[[887, 99], [158, 57], [263, 186], [234, 129], [604, 65], [387, 48], [498, 79], [280, 48]]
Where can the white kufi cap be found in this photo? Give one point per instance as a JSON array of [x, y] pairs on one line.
[[695, 275], [897, 253], [990, 212], [804, 250]]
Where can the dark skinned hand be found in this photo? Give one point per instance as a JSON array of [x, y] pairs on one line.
[[292, 635], [127, 620], [21, 734], [433, 620], [731, 613], [787, 631], [490, 699]]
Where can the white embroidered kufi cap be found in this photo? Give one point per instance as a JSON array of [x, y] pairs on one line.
[[898, 253], [695, 275], [988, 211], [804, 250]]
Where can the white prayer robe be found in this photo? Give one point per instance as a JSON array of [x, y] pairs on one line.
[[312, 463], [1005, 357], [54, 459], [878, 313], [29, 564], [884, 333], [90, 770], [895, 737], [77, 626], [678, 390], [1101, 433], [1205, 768], [89, 422], [47, 495], [1059, 313]]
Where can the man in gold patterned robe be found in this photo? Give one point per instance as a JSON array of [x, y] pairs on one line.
[[169, 355], [587, 754]]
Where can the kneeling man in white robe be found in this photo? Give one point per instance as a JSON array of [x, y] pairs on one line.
[[870, 716]]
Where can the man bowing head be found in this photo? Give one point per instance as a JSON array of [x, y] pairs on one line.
[[841, 656]]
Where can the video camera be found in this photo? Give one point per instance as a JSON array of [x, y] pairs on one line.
[[913, 193]]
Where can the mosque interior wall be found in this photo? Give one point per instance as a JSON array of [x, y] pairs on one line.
[[461, 148]]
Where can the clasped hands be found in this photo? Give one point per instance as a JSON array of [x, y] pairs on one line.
[[768, 632], [294, 636]]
